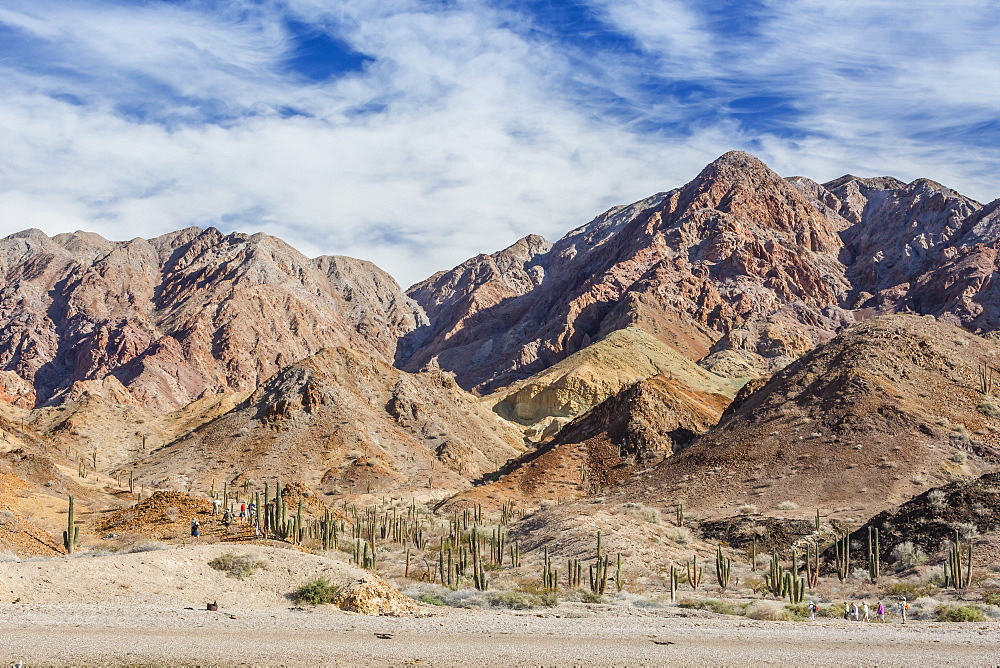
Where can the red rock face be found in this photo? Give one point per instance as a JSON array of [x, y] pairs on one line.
[[734, 246], [186, 314], [737, 260]]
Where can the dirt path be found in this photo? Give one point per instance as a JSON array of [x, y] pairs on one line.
[[80, 634]]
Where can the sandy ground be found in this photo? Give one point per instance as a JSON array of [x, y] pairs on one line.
[[81, 634], [149, 609]]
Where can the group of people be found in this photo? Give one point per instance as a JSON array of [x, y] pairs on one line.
[[248, 513], [852, 612]]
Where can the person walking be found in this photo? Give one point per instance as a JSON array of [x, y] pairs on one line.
[[903, 607], [812, 610], [865, 611], [243, 512], [216, 506], [854, 611], [847, 611], [880, 612], [227, 519], [195, 525]]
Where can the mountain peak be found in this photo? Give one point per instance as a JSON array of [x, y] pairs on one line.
[[734, 164]]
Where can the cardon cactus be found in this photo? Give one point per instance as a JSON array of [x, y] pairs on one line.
[[71, 536]]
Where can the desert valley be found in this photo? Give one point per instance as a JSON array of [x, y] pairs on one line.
[[656, 440]]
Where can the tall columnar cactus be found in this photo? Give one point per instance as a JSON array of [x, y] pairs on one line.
[[794, 587], [619, 578], [774, 579], [515, 554], [723, 567], [753, 553], [679, 515], [574, 573], [550, 578], [71, 536], [985, 378], [694, 572], [675, 578], [873, 555], [958, 575], [812, 565], [478, 572], [842, 551]]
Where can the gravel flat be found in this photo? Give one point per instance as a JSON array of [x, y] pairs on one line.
[[81, 634]]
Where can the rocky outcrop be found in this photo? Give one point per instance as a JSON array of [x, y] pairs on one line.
[[342, 421], [184, 315]]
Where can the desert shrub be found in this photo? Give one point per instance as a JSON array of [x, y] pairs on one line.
[[958, 613], [981, 510], [799, 611], [679, 535], [936, 500], [591, 597], [430, 599], [991, 597], [712, 605], [644, 602], [967, 531], [747, 509], [148, 546], [507, 600], [239, 566], [907, 555], [6, 516], [989, 408], [768, 610], [639, 511], [958, 457], [909, 590], [516, 600], [788, 505], [316, 592]]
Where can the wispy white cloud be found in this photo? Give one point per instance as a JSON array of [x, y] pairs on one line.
[[468, 125]]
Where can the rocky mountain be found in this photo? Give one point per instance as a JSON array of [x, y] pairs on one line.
[[737, 251], [181, 316], [342, 421], [740, 269], [885, 410]]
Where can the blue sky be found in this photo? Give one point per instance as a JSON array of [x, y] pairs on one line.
[[417, 134]]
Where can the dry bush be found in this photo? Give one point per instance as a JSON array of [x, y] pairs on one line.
[[239, 566], [907, 555], [936, 500], [788, 505], [768, 610], [679, 535]]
